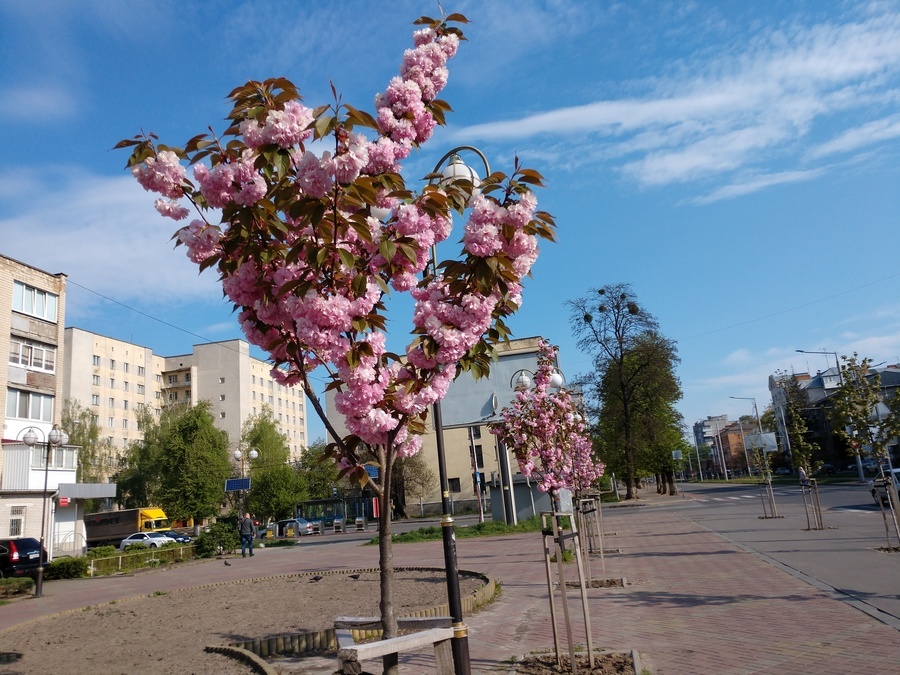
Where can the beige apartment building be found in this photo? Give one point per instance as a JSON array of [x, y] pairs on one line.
[[113, 379], [32, 318]]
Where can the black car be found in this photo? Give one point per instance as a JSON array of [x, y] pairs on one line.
[[20, 557], [180, 537]]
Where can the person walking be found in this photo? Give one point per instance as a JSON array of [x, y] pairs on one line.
[[247, 531]]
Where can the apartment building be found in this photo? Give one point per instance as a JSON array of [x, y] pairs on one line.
[[113, 379], [32, 317]]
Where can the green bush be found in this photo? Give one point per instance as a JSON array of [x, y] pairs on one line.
[[16, 586], [67, 568], [102, 552], [221, 538]]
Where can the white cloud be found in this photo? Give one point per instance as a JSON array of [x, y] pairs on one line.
[[740, 108], [38, 104], [757, 183], [104, 234]]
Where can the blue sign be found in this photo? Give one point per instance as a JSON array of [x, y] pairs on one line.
[[372, 471], [237, 484]]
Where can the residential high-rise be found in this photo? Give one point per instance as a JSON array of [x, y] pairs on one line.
[[113, 378]]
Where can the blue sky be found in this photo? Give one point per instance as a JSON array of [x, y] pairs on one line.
[[736, 162]]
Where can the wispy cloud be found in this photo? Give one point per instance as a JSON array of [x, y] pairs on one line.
[[739, 109], [105, 235]]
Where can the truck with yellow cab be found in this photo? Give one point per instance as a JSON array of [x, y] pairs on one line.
[[111, 527]]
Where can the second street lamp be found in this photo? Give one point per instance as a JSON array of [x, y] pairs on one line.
[[57, 437]]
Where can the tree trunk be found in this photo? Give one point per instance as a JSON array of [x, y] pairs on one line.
[[673, 486], [386, 563]]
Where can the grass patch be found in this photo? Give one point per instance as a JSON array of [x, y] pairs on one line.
[[486, 529]]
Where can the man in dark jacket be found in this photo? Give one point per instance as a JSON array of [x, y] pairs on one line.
[[247, 530]]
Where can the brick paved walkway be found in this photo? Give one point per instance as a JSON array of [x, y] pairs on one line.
[[695, 603]]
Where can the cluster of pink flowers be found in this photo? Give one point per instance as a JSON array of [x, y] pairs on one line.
[[304, 284], [547, 435], [285, 128], [227, 182], [201, 240], [162, 174]]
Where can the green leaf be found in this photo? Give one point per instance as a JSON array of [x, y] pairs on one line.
[[387, 249]]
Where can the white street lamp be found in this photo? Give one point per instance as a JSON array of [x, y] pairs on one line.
[[239, 456], [55, 438]]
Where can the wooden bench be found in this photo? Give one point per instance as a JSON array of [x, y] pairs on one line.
[[434, 631]]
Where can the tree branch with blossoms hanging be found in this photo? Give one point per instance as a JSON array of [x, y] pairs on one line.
[[306, 263], [546, 433]]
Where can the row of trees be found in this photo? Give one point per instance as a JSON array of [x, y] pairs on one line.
[[632, 389], [183, 460]]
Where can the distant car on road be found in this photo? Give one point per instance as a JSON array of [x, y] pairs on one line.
[[782, 471], [180, 537], [878, 486], [295, 526], [148, 539], [827, 469]]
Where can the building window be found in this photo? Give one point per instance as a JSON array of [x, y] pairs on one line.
[[173, 379], [112, 383], [254, 378], [141, 371], [29, 405], [140, 389], [173, 395], [16, 521], [125, 405], [96, 360], [111, 402], [95, 380], [187, 378], [221, 380], [156, 394], [62, 457], [158, 377], [112, 364], [35, 355], [479, 457], [110, 422], [222, 415], [34, 301], [270, 400], [95, 399], [124, 424], [124, 367], [453, 484], [476, 432], [221, 397]]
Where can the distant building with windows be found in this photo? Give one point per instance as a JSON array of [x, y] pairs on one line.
[[113, 379], [32, 351]]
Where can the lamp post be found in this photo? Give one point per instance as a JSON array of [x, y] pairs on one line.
[[455, 170], [55, 438], [239, 455]]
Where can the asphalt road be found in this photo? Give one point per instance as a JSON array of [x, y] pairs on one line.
[[843, 556]]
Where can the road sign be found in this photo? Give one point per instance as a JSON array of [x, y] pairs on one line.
[[676, 454]]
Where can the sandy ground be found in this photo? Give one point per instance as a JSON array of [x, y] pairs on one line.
[[166, 633]]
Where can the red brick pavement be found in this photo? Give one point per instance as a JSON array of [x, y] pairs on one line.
[[694, 604]]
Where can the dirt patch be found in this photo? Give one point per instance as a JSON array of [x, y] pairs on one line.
[[167, 631], [607, 663]]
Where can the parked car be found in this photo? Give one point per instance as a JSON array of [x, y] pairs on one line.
[[148, 539], [827, 469], [782, 471], [180, 537], [878, 486], [20, 557], [298, 526]]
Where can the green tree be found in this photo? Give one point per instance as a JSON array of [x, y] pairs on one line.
[[95, 454], [801, 449], [138, 478], [261, 433], [855, 414], [411, 478], [194, 455], [631, 359], [320, 471], [275, 491]]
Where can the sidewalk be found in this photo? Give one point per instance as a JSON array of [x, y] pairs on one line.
[[694, 604]]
